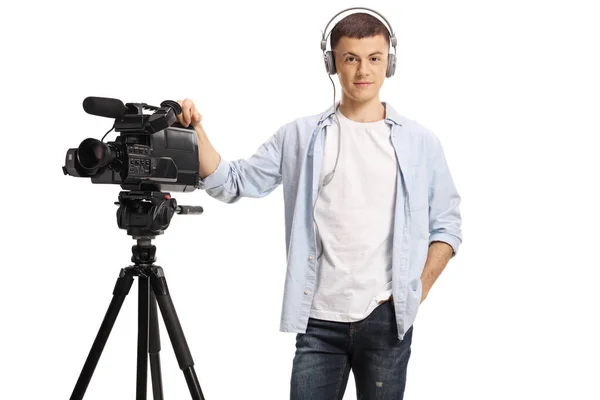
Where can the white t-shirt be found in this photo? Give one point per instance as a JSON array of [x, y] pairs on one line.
[[354, 217]]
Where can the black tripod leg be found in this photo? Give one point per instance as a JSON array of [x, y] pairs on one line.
[[142, 350], [154, 350], [182, 351], [121, 290]]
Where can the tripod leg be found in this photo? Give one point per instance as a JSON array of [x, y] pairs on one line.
[[142, 350], [182, 351], [154, 350], [122, 287]]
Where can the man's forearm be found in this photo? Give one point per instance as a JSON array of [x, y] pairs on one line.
[[207, 156], [438, 255]]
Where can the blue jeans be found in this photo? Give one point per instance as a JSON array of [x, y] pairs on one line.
[[328, 350]]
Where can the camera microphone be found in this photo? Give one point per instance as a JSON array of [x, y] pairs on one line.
[[104, 107]]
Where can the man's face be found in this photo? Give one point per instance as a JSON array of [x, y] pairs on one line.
[[361, 60]]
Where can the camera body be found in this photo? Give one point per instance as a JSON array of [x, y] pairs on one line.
[[153, 152]]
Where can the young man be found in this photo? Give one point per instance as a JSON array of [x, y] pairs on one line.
[[372, 218]]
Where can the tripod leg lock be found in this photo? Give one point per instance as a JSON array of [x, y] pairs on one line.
[[158, 281], [124, 282]]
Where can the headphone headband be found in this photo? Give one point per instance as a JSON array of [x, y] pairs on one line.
[[391, 31]]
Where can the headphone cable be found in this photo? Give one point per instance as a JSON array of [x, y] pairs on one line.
[[329, 176]]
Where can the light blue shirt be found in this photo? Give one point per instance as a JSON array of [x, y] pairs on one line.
[[427, 205]]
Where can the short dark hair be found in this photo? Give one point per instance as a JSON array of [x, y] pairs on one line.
[[358, 26]]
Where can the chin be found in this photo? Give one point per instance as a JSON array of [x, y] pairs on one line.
[[364, 97], [361, 96]]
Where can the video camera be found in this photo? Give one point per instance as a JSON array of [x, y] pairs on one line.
[[153, 153]]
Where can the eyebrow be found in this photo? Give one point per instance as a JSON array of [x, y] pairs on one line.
[[356, 55]]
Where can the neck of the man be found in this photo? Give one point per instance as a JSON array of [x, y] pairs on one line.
[[365, 111]]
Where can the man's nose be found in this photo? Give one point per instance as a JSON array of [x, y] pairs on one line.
[[363, 68]]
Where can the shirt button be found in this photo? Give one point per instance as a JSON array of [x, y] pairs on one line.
[[306, 291], [310, 257]]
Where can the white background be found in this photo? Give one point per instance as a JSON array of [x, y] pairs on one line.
[[511, 88]]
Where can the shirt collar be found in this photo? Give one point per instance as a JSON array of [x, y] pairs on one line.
[[391, 116]]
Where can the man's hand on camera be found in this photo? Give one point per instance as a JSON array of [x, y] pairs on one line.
[[189, 114]]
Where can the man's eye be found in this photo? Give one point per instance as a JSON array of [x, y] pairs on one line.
[[350, 59], [375, 58]]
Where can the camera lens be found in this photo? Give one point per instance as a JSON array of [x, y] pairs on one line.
[[93, 154]]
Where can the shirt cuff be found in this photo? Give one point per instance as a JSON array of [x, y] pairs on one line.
[[217, 178], [452, 240]]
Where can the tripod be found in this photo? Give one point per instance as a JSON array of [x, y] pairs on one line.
[[145, 214]]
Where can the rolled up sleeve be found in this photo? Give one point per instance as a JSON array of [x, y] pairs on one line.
[[217, 178], [445, 221], [255, 176]]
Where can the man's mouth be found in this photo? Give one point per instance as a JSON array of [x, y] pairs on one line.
[[362, 84]]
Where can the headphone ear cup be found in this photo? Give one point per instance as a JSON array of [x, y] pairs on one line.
[[391, 67], [329, 63]]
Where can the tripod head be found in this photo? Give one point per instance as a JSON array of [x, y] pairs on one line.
[[145, 214]]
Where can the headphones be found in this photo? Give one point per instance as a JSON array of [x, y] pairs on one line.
[[328, 55]]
